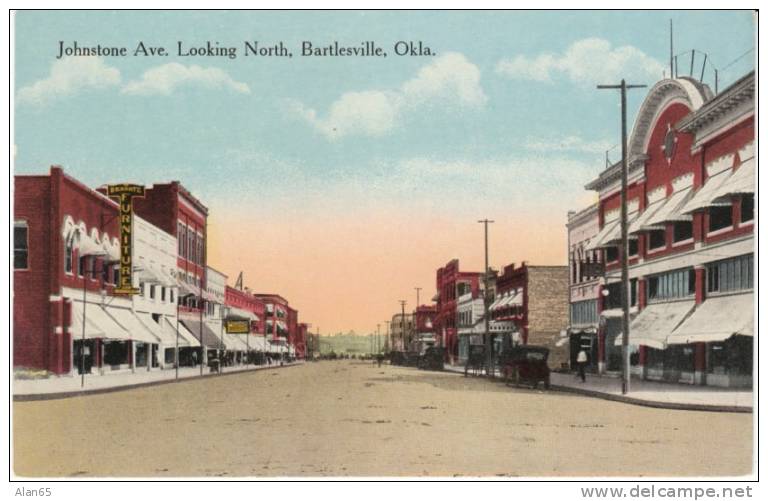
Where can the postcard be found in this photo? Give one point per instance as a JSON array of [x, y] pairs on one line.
[[383, 244]]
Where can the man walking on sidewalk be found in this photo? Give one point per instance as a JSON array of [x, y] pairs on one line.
[[581, 362]]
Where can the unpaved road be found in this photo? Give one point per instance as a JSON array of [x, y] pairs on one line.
[[349, 418]]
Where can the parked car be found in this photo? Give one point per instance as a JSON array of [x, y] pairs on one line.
[[432, 359], [525, 365]]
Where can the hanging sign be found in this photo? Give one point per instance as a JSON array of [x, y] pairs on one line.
[[125, 193], [238, 326]]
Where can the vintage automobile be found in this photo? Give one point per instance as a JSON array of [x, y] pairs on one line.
[[525, 365], [432, 359]]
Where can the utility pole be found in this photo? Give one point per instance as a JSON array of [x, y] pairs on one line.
[[625, 292], [388, 341], [378, 338], [488, 345], [416, 311], [402, 321]]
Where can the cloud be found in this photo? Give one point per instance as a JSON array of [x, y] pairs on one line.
[[568, 143], [450, 81], [585, 62], [69, 76], [167, 78]]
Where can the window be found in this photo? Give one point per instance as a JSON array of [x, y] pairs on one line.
[[162, 294], [729, 275], [747, 207], [611, 254], [116, 274], [80, 266], [105, 271], [683, 230], [20, 245], [69, 253], [151, 292], [584, 312], [613, 299], [720, 217], [633, 247], [732, 357], [170, 295], [671, 285], [657, 239], [180, 239]]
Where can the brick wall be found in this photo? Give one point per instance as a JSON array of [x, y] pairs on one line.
[[548, 309]]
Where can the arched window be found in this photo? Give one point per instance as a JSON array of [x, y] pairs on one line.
[[69, 250]]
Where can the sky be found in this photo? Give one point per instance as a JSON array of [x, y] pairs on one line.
[[342, 183]]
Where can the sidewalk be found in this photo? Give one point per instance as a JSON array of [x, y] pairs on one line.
[[70, 386], [652, 393]]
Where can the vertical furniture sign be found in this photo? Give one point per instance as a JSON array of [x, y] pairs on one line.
[[125, 193]]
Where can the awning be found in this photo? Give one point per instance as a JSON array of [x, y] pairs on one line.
[[645, 216], [156, 329], [95, 327], [130, 322], [496, 302], [706, 195], [600, 238], [656, 322], [717, 319], [88, 247], [186, 338], [614, 236], [742, 181], [617, 312], [186, 289], [241, 314], [210, 338], [670, 210], [235, 342], [112, 248]]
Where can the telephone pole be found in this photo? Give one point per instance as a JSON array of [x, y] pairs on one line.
[[416, 311], [488, 345], [402, 321], [625, 292]]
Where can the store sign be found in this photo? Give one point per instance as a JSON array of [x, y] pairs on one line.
[[238, 326], [124, 194]]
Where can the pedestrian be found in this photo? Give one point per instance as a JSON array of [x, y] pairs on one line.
[[581, 362]]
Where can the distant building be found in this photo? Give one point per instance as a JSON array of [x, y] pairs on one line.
[[534, 301], [451, 283], [401, 331], [584, 277]]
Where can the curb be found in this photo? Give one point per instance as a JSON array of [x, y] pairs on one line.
[[653, 403], [644, 403], [32, 397]]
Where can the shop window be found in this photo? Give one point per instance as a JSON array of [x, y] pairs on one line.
[[20, 245], [683, 230], [731, 357], [747, 208], [731, 275], [611, 254], [671, 285], [720, 217], [657, 239]]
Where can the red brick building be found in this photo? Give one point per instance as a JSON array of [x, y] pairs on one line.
[[242, 304], [172, 208], [691, 224], [276, 320], [65, 261], [451, 283]]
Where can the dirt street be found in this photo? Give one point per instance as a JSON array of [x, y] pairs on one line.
[[350, 418]]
